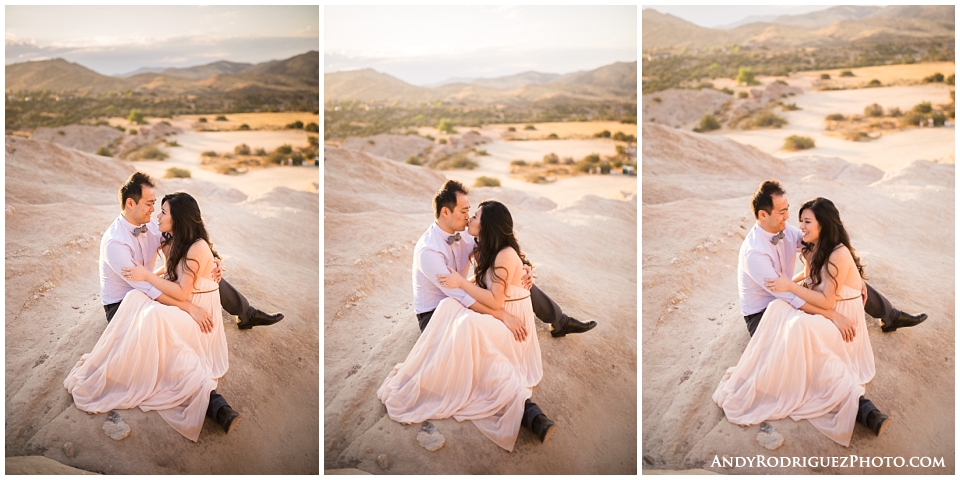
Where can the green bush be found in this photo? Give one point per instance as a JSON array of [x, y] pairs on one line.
[[552, 136], [824, 76], [622, 137], [208, 153], [551, 159], [835, 116], [742, 94], [518, 163], [603, 134], [104, 151], [151, 152], [923, 107], [202, 120], [174, 172], [727, 91], [529, 127], [486, 182], [874, 83], [243, 127], [242, 149], [746, 76], [413, 160], [768, 119], [446, 126], [136, 117], [312, 127], [846, 73], [795, 142], [873, 110], [220, 118], [708, 122], [936, 77]]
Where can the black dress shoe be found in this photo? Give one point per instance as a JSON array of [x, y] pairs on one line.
[[227, 418], [904, 320], [877, 422], [260, 319], [573, 326], [543, 427]]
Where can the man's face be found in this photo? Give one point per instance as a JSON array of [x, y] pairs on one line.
[[457, 220], [140, 213], [776, 220]]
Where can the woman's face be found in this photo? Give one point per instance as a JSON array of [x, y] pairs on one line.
[[164, 219], [473, 225], [809, 226]]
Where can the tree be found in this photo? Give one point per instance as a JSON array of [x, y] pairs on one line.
[[746, 76], [136, 117], [446, 126]]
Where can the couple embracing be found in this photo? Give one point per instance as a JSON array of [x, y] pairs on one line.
[[478, 357], [809, 356], [164, 347]]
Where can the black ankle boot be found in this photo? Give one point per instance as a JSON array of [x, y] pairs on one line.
[[877, 422], [227, 418], [543, 427]]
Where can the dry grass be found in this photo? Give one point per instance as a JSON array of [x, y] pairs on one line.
[[256, 121], [563, 130], [887, 74]]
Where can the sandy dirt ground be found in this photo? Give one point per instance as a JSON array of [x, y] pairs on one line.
[[585, 253], [696, 191], [58, 203]]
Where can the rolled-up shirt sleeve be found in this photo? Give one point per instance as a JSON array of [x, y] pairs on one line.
[[432, 264], [120, 255], [759, 267]]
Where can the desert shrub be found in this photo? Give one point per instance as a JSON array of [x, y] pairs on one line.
[[136, 117], [458, 161], [552, 136], [895, 112], [243, 127], [133, 131], [445, 126], [518, 163], [174, 172], [242, 149], [482, 153], [414, 160], [795, 142], [702, 85], [768, 119], [874, 83], [164, 122], [314, 141], [835, 116], [260, 152], [208, 153], [790, 106], [923, 107], [295, 125], [873, 110], [535, 178], [855, 135], [121, 128], [622, 137], [938, 118], [657, 100], [104, 151], [284, 149], [202, 120], [486, 182], [949, 80], [912, 118], [61, 132], [297, 159], [568, 161], [846, 73], [371, 142], [727, 91], [429, 137], [781, 82], [312, 127], [276, 157], [220, 118], [936, 77], [511, 129], [551, 159], [824, 76], [171, 143], [742, 94], [225, 169], [442, 141], [603, 134], [746, 76], [708, 122], [151, 152], [529, 127]]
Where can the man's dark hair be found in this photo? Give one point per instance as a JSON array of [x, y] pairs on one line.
[[133, 188], [447, 196], [763, 197]]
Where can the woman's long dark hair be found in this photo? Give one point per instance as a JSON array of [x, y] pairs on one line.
[[496, 233], [187, 229], [832, 233]]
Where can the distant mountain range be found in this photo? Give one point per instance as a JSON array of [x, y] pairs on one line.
[[836, 26], [615, 82], [295, 74]]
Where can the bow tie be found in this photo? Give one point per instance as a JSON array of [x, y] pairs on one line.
[[453, 238], [776, 238], [138, 230]]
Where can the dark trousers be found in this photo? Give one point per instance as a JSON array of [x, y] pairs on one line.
[[543, 307], [530, 411], [216, 402], [877, 307], [232, 301]]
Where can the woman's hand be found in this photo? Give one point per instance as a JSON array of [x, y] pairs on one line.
[[781, 284], [137, 273], [515, 325], [451, 280]]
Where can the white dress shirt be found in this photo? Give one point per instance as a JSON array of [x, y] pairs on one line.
[[118, 248], [760, 259], [431, 257]]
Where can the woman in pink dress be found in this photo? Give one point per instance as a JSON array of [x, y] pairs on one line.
[[469, 365], [801, 365], [155, 356]]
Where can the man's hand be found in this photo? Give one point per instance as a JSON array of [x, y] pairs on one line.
[[515, 325], [217, 272], [201, 316], [847, 327], [863, 292], [527, 279]]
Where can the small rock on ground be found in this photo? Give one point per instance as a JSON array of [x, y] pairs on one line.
[[383, 461], [115, 427], [68, 450], [769, 437], [430, 438]]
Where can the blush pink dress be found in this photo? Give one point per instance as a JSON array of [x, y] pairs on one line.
[[155, 357], [468, 366], [797, 365]]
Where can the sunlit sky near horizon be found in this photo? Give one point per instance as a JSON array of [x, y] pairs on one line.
[[427, 45], [118, 39], [713, 16]]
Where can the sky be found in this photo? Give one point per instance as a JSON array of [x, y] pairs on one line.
[[714, 16], [427, 45], [118, 39]]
